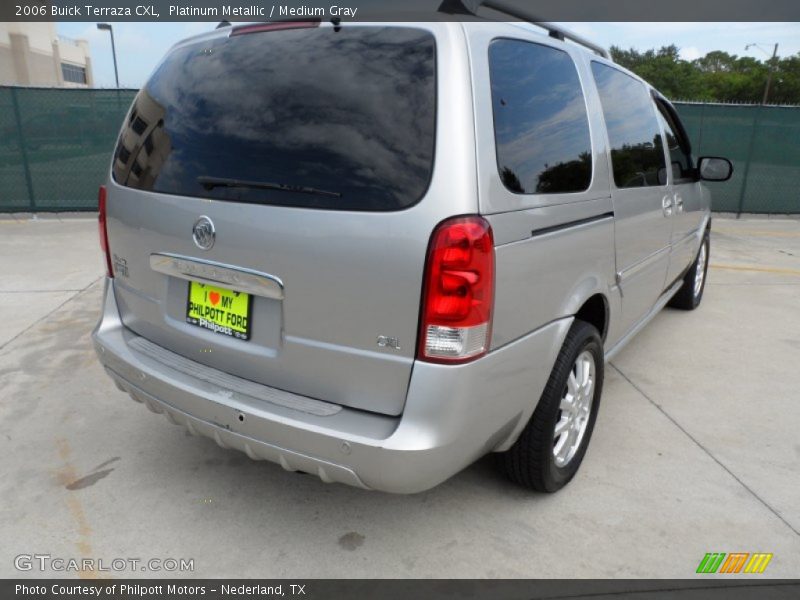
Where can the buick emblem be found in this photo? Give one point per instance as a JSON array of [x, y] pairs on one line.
[[203, 233]]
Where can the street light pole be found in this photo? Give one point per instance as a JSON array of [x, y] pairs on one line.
[[769, 74], [107, 27], [770, 65]]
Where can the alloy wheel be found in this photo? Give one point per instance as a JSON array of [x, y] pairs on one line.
[[575, 409]]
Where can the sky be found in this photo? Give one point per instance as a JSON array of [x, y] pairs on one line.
[[141, 45]]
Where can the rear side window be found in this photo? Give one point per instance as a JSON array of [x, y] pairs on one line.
[[306, 117], [540, 123], [637, 155]]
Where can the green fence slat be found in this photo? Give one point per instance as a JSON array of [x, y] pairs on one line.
[[15, 194]]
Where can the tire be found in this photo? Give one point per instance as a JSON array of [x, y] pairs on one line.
[[690, 295], [532, 461]]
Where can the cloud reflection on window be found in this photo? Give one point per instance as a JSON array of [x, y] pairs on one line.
[[541, 125], [350, 112], [637, 154]]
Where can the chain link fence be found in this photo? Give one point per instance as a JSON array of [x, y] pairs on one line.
[[56, 145], [763, 142]]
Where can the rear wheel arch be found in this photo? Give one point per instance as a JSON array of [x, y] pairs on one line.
[[595, 311]]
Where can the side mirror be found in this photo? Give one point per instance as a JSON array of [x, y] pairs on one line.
[[714, 168]]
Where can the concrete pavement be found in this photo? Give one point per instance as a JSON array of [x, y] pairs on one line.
[[695, 450]]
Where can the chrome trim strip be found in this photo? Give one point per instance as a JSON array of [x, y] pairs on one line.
[[205, 271], [689, 237], [570, 224], [629, 272]]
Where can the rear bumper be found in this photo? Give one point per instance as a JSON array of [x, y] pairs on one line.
[[453, 414]]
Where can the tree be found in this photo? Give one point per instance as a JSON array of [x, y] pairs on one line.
[[715, 77]]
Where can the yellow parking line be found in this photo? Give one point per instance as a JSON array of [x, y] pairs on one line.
[[757, 233], [777, 270], [65, 475]]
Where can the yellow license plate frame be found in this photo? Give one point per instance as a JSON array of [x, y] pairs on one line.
[[220, 310]]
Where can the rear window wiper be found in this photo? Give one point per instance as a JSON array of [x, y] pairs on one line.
[[209, 183]]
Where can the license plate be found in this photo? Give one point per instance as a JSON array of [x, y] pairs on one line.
[[219, 310]]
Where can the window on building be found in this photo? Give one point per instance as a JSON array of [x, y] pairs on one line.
[[139, 125], [540, 123], [148, 144], [124, 154], [73, 73]]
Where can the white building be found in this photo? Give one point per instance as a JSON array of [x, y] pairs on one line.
[[34, 54]]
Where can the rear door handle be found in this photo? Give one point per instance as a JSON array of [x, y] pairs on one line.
[[678, 203], [666, 205]]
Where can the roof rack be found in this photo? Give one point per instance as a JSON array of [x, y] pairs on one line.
[[524, 14]]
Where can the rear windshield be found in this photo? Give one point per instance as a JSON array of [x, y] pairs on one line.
[[306, 117]]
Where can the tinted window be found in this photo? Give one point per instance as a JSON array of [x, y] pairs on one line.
[[679, 156], [637, 153], [299, 117], [540, 124]]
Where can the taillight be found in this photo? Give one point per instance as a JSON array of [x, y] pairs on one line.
[[103, 229], [458, 292]]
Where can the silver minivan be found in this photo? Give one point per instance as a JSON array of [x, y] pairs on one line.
[[376, 252]]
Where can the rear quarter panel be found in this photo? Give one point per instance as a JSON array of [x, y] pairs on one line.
[[542, 276]]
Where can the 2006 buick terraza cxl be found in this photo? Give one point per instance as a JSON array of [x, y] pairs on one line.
[[377, 252]]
